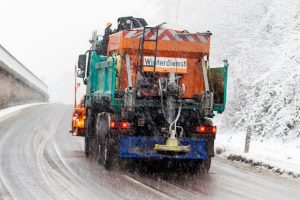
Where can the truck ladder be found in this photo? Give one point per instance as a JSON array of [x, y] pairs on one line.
[[142, 52]]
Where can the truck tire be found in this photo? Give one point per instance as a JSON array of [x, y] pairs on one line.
[[100, 134], [109, 154], [208, 121], [106, 154], [205, 165], [86, 147], [89, 136], [211, 141]]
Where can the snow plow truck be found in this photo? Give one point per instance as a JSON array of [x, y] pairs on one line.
[[150, 94]]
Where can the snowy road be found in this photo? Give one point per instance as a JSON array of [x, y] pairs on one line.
[[40, 160]]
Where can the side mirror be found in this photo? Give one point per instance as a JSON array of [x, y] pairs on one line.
[[82, 62], [80, 73]]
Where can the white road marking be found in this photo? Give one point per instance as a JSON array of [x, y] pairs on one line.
[[147, 187]]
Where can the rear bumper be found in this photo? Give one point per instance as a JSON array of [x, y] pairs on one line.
[[143, 147]]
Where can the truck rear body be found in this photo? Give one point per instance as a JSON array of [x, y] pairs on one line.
[[158, 83]]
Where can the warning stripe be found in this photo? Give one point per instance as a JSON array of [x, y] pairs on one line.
[[131, 34], [151, 34], [195, 37], [166, 34], [183, 38]]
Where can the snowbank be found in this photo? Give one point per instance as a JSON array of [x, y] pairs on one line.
[[281, 157]]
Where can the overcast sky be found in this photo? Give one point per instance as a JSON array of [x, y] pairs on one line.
[[48, 35]]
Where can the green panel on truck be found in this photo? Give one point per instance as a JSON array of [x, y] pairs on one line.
[[93, 79], [218, 80], [103, 79], [105, 74]]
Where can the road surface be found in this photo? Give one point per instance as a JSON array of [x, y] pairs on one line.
[[40, 160]]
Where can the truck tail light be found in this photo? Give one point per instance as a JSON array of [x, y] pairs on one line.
[[121, 125], [124, 125], [207, 129], [113, 125]]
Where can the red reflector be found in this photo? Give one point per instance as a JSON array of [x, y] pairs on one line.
[[202, 129]]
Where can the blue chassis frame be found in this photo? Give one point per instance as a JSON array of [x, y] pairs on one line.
[[143, 147]]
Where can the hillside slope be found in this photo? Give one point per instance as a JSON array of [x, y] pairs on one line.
[[261, 40], [265, 90]]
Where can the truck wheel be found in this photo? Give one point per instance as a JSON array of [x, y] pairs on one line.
[[86, 147], [90, 127], [94, 148], [100, 134], [210, 147], [205, 165], [208, 121], [105, 144], [108, 153]]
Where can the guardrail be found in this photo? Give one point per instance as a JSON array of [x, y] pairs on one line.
[[12, 63]]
